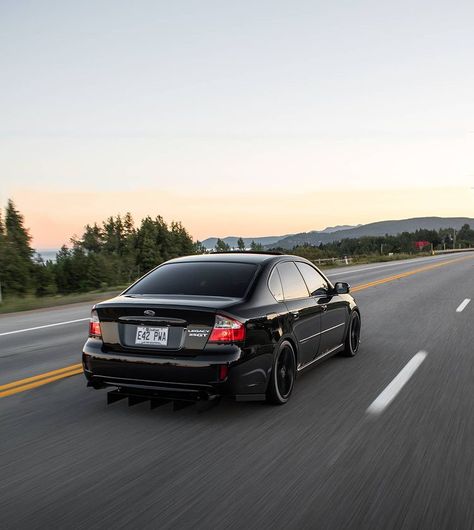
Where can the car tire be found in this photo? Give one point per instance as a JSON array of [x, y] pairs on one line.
[[352, 342], [283, 375]]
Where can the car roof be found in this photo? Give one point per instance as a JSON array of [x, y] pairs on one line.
[[231, 257]]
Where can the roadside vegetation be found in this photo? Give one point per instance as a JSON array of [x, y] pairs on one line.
[[109, 256], [30, 301], [112, 254]]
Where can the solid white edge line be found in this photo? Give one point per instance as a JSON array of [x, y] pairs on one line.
[[42, 327], [463, 305], [390, 393]]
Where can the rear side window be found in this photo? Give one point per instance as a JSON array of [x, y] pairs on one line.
[[198, 279], [315, 282], [274, 284], [292, 281]]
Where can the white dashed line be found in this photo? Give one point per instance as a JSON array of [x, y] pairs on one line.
[[42, 327], [463, 306], [389, 394]]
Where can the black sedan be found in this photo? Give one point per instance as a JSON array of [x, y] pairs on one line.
[[242, 325]]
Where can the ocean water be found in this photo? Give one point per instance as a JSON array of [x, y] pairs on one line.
[[48, 254]]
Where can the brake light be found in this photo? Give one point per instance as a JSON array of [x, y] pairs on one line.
[[227, 329], [94, 326]]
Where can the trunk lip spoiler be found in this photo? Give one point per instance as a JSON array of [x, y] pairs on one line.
[[137, 319]]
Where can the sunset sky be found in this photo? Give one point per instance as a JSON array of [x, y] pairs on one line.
[[237, 118]]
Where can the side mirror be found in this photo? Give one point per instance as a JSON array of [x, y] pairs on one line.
[[342, 288]]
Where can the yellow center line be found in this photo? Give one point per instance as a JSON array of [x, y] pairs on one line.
[[74, 369], [363, 286], [45, 375], [40, 382]]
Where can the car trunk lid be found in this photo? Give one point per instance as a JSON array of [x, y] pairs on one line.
[[176, 325]]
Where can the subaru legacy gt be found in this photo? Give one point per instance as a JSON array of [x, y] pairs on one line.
[[241, 325]]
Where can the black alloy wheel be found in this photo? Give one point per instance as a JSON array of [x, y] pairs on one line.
[[283, 375], [352, 343]]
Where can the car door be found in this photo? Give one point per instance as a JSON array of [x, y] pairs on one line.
[[333, 323], [334, 308], [305, 313]]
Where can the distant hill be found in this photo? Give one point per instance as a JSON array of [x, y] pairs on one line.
[[210, 242], [380, 228], [266, 241], [331, 229]]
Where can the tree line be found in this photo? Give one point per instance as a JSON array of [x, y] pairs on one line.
[[111, 254], [117, 252], [404, 243]]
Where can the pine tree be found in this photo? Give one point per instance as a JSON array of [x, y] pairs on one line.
[[181, 243], [63, 259], [256, 247], [240, 244], [92, 240], [162, 238], [3, 244], [45, 279], [221, 246], [16, 233], [16, 255], [199, 248], [110, 236], [129, 248], [148, 252], [128, 225]]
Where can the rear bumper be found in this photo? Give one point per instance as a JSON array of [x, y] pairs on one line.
[[180, 378]]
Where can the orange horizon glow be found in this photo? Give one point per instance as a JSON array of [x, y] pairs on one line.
[[54, 217]]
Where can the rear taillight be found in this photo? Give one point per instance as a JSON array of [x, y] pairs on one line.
[[94, 326], [227, 329]]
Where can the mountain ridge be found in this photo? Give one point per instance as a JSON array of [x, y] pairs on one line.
[[378, 228], [210, 242], [336, 233]]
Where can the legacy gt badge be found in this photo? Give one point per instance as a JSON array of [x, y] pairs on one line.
[[149, 313]]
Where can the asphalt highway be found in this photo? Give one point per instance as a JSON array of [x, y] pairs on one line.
[[383, 440]]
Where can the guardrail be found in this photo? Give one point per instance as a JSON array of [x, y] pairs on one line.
[[321, 261], [454, 250], [349, 259]]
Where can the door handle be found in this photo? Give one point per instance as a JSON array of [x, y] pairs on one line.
[[295, 314]]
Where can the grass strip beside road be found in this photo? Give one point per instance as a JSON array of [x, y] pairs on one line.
[[29, 303], [75, 369]]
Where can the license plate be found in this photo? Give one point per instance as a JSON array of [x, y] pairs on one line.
[[153, 336]]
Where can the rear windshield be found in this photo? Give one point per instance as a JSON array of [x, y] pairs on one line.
[[198, 279]]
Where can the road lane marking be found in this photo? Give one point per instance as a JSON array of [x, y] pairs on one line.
[[38, 380], [22, 382], [381, 281], [42, 327], [463, 305], [44, 378], [390, 393]]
